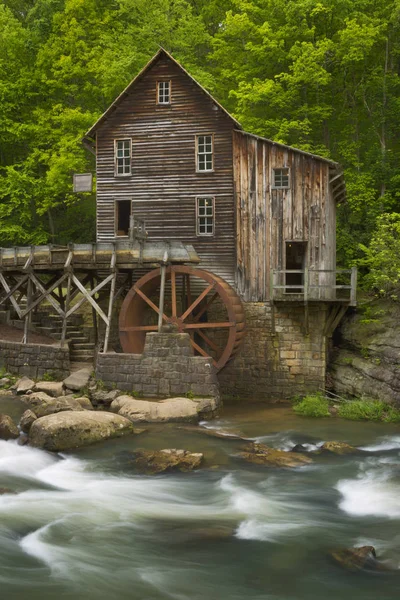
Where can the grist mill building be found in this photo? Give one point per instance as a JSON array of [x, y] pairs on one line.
[[222, 234]]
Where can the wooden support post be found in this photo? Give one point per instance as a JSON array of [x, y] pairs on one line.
[[353, 291], [306, 285], [66, 307], [94, 315], [28, 314], [271, 285], [111, 299], [162, 296]]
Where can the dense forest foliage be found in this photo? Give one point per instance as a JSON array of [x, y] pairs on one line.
[[322, 76]]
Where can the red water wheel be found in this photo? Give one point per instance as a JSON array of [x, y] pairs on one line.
[[197, 302]]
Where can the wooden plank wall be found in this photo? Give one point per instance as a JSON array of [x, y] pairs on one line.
[[266, 218], [164, 183]]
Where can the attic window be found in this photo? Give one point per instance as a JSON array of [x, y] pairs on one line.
[[281, 178], [164, 92], [123, 157], [204, 152]]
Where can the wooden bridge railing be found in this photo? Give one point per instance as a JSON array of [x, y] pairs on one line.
[[339, 285]]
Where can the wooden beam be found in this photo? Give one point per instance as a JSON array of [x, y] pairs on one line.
[[66, 308], [111, 298], [28, 315], [89, 296], [9, 294], [45, 294]]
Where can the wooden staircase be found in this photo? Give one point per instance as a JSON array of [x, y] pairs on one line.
[[82, 349]]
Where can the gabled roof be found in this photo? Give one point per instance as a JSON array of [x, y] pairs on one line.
[[161, 53], [336, 172]]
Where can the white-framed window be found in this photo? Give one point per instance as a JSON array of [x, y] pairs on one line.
[[123, 156], [205, 215], [281, 177], [164, 92], [204, 153]]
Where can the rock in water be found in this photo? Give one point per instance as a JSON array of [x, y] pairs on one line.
[[66, 430], [338, 448], [161, 461], [42, 404], [27, 419], [356, 559], [6, 491], [259, 454], [174, 409], [8, 429]]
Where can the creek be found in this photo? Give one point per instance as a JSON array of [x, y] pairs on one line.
[[84, 526]]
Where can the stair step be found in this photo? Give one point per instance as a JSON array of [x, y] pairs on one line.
[[79, 339], [80, 356], [81, 346]]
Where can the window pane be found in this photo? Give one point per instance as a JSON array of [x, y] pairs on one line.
[[281, 178]]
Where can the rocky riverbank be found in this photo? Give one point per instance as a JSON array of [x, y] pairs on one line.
[[366, 357], [78, 411]]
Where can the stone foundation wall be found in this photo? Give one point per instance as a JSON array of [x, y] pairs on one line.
[[34, 360], [272, 367], [167, 367]]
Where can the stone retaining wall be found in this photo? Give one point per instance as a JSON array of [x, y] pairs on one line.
[[34, 360], [271, 367], [167, 367]]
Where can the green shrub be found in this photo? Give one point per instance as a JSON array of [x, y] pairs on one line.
[[314, 405], [48, 377], [369, 410]]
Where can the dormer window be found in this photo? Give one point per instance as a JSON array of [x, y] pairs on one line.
[[281, 178], [123, 155], [164, 92], [204, 153]]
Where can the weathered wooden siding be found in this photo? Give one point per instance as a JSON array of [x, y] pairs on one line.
[[267, 218], [164, 183]]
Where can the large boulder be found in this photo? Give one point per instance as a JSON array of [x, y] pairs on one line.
[[161, 461], [51, 388], [259, 454], [78, 380], [66, 430], [174, 409], [23, 385], [27, 419], [42, 404], [8, 429]]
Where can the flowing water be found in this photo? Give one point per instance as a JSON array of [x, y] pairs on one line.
[[84, 526]]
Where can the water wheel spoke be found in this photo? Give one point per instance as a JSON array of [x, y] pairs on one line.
[[189, 291], [210, 343], [140, 328], [173, 292], [223, 324], [197, 301], [149, 302], [206, 307], [201, 351]]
